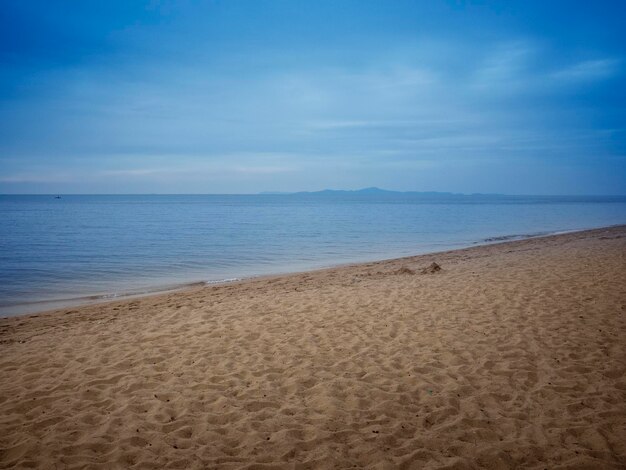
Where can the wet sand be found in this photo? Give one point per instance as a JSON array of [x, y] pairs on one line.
[[513, 355]]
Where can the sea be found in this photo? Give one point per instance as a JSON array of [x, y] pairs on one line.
[[58, 251]]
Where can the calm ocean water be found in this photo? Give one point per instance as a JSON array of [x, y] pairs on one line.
[[62, 251]]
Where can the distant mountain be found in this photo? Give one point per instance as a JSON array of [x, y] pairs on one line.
[[378, 194], [371, 190], [374, 191]]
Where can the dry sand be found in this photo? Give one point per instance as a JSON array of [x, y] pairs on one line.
[[512, 356]]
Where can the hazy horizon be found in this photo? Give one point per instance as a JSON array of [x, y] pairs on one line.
[[173, 97], [323, 190]]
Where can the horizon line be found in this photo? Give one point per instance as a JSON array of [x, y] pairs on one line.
[[371, 190]]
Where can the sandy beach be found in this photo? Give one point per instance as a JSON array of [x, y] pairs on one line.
[[513, 355]]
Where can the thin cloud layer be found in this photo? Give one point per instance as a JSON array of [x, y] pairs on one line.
[[180, 98]]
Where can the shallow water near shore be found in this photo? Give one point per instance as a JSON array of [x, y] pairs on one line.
[[83, 248]]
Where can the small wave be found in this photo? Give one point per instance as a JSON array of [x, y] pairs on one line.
[[86, 299], [521, 236], [222, 281]]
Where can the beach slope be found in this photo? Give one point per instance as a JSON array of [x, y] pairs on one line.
[[512, 355]]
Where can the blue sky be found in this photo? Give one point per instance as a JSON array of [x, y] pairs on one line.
[[514, 97]]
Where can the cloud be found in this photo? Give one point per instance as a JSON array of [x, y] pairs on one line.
[[524, 67], [214, 166], [42, 176], [505, 67], [588, 70]]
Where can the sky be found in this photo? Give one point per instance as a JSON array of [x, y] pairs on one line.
[[513, 97]]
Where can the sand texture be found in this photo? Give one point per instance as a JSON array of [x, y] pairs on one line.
[[511, 356]]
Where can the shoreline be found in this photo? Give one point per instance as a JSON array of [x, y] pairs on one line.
[[509, 356], [23, 309]]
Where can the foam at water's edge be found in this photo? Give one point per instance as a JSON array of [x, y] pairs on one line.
[[20, 308], [223, 281], [524, 236]]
